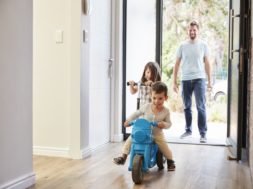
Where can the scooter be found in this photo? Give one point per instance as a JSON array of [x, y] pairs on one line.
[[144, 152]]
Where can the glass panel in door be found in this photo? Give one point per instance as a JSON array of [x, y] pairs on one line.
[[140, 44], [234, 62]]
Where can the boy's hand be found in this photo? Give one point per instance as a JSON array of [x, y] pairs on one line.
[[126, 123], [160, 125]]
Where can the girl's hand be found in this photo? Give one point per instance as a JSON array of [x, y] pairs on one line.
[[133, 87], [126, 123], [131, 82], [148, 83]]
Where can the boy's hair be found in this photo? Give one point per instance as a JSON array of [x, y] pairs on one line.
[[160, 87], [194, 23], [155, 72]]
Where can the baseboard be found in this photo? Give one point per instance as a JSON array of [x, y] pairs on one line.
[[117, 138], [86, 152], [21, 182], [51, 151]]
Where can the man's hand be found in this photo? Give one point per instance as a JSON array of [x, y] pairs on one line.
[[175, 88], [209, 86]]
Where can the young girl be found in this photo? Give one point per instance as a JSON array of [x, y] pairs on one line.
[[161, 115], [151, 74]]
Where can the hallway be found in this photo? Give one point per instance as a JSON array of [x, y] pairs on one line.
[[197, 167]]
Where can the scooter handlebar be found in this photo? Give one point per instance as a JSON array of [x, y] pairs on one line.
[[128, 83], [142, 84], [153, 123]]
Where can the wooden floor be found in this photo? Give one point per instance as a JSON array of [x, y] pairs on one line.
[[197, 167]]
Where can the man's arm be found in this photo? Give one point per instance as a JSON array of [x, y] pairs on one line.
[[175, 72], [208, 71]]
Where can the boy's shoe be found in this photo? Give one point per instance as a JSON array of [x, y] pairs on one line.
[[171, 165], [185, 135], [120, 160], [202, 139]]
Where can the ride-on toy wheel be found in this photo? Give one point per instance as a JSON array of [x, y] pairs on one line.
[[160, 160], [137, 174]]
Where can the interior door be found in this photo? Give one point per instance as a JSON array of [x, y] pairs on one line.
[[237, 72], [100, 58], [140, 45]]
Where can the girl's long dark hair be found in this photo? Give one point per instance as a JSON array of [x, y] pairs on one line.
[[155, 72]]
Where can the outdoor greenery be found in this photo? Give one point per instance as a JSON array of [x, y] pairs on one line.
[[212, 16]]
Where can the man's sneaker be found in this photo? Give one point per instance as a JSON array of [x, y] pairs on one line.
[[202, 139], [185, 135]]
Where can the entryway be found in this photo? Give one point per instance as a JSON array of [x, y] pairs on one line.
[[154, 29]]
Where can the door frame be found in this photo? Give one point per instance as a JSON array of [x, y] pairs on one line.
[[236, 148]]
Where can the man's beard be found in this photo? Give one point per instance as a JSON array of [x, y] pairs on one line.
[[193, 37]]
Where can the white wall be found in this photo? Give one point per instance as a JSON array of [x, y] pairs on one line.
[[56, 79], [16, 94], [62, 79]]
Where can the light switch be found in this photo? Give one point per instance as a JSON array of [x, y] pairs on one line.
[[58, 36]]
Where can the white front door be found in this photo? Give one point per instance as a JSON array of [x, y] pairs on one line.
[[100, 47]]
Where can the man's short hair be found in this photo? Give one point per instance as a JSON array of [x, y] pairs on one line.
[[194, 23], [159, 87]]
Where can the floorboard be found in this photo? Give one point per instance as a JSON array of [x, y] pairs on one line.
[[197, 167]]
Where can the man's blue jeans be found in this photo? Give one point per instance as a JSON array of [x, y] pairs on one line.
[[198, 87]]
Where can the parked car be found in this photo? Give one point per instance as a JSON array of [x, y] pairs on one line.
[[219, 89]]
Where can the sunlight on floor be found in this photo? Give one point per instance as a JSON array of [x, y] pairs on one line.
[[216, 133]]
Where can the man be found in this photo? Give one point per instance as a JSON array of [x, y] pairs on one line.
[[192, 55]]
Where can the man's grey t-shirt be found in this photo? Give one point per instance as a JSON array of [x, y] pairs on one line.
[[192, 59]]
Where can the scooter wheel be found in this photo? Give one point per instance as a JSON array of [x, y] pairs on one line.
[[137, 174]]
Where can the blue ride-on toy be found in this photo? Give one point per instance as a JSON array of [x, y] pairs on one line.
[[144, 152]]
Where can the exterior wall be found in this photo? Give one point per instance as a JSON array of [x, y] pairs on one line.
[[250, 105], [16, 169], [251, 112]]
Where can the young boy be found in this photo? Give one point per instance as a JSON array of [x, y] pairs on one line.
[[154, 111]]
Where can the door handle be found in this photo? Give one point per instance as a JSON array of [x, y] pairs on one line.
[[110, 62], [232, 16]]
